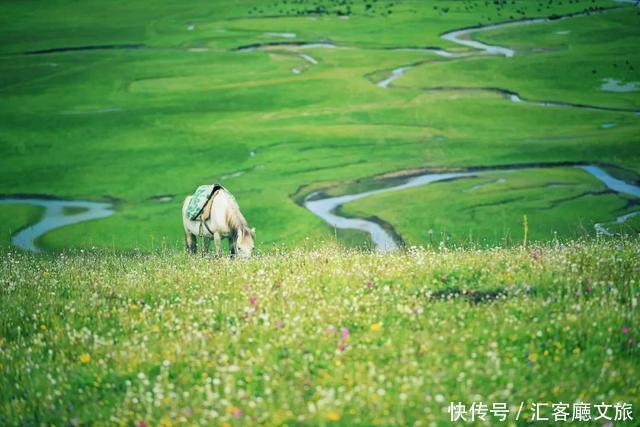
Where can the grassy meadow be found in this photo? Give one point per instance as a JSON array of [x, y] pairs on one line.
[[181, 106], [139, 102], [321, 335]]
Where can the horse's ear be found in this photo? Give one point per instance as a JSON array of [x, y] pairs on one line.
[[253, 232]]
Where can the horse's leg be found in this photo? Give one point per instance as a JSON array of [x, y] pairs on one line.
[[190, 242], [218, 244], [206, 244], [232, 247]]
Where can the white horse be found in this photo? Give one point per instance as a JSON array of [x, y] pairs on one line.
[[225, 221]]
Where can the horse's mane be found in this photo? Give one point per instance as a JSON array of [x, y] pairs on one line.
[[235, 219]]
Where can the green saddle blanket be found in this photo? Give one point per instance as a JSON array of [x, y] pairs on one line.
[[200, 198]]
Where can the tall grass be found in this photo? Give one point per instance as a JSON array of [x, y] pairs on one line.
[[317, 335]]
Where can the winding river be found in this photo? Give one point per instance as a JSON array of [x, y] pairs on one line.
[[57, 213], [326, 207], [463, 37]]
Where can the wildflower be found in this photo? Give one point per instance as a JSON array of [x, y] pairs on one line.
[[85, 358], [43, 327], [376, 327], [252, 299], [533, 357], [344, 333], [576, 350], [370, 284], [419, 310], [625, 329], [235, 411], [142, 424], [536, 253], [332, 416], [279, 324]]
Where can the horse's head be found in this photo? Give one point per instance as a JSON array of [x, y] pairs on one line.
[[244, 242]]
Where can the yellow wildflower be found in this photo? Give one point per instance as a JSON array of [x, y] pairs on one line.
[[533, 357], [332, 416], [376, 327], [85, 358]]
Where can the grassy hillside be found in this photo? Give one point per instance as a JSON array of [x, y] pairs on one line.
[[321, 335], [164, 102]]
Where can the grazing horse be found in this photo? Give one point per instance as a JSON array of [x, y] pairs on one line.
[[225, 221]]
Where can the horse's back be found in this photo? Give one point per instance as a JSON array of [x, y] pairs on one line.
[[217, 219]]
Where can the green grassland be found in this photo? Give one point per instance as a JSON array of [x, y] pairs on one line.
[[315, 337], [187, 109], [563, 202], [154, 98], [14, 217]]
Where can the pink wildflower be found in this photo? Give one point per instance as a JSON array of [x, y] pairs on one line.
[[344, 333], [237, 413]]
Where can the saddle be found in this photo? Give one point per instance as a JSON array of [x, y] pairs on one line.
[[201, 203]]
